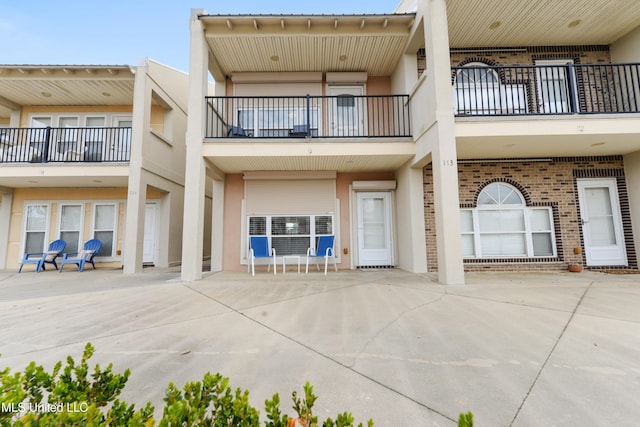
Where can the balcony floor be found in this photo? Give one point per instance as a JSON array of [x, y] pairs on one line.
[[77, 175], [309, 154], [556, 136]]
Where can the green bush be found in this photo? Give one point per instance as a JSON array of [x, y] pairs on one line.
[[72, 397], [69, 396]]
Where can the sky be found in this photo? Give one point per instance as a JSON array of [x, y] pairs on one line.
[[122, 32]]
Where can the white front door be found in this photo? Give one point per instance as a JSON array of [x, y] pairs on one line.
[[554, 92], [601, 222], [375, 246], [150, 234], [121, 141], [348, 111]]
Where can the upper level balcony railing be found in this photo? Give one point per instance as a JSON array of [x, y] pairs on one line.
[[546, 89], [344, 116], [47, 144]]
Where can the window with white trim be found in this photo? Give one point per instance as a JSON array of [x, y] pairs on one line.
[[501, 226], [70, 226], [291, 235], [36, 224], [104, 227]]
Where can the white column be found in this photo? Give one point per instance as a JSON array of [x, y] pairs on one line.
[[137, 189], [443, 143], [193, 227], [6, 200], [410, 225]]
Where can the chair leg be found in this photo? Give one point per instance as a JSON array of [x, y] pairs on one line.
[[253, 268], [306, 267], [20, 269], [326, 261], [274, 266]]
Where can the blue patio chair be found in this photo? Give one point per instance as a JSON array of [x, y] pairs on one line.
[[324, 250], [89, 251], [48, 257], [259, 248]]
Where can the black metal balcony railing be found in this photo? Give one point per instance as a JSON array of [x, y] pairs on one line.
[[545, 89], [44, 145], [343, 116]]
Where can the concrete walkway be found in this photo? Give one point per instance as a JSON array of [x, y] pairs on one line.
[[555, 349]]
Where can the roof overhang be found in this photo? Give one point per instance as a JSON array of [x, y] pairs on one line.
[[500, 23], [281, 43], [64, 85]]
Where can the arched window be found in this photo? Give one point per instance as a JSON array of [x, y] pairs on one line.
[[501, 225], [477, 90], [476, 73]]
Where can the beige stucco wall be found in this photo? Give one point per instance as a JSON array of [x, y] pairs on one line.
[[233, 197], [233, 218], [378, 86], [627, 49], [28, 110], [54, 197]]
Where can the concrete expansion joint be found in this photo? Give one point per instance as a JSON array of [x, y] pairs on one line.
[[551, 352]]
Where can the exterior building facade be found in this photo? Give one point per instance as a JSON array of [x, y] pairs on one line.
[[448, 136], [93, 152]]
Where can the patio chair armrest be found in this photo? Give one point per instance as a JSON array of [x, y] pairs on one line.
[[34, 254], [66, 254], [310, 252], [273, 252], [329, 250]]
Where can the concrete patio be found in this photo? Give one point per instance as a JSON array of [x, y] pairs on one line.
[[555, 349]]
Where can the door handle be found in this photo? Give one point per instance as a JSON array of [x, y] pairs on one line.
[[583, 222]]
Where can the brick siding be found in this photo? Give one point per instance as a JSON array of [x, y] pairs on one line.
[[542, 183]]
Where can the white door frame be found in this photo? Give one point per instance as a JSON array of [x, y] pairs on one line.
[[359, 108], [558, 74], [378, 257], [155, 233], [602, 255]]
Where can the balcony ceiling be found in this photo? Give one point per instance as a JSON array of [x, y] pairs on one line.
[[49, 85], [501, 23], [280, 43], [282, 155]]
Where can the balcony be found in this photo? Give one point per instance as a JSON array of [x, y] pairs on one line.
[[546, 90], [65, 145], [344, 116]]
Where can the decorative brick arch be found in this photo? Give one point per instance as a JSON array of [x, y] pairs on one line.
[[479, 60], [513, 183]]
